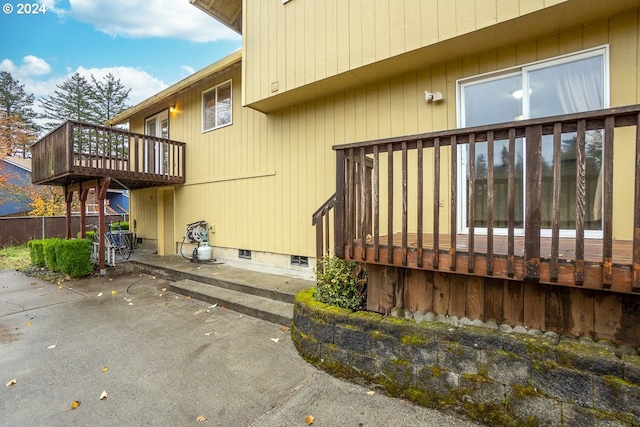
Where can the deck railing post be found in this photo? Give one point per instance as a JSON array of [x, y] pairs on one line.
[[69, 132], [340, 207], [636, 217], [533, 217]]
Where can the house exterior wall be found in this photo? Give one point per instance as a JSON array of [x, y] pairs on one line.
[[258, 180], [305, 41]]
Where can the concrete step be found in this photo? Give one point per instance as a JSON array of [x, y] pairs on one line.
[[261, 307], [234, 282]]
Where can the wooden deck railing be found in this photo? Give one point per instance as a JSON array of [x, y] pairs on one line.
[[365, 195], [76, 150]]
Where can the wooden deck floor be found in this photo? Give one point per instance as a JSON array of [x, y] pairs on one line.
[[498, 266]]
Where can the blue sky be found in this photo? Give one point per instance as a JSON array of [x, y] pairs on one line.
[[147, 44]]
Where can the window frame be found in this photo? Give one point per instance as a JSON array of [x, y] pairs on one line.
[[523, 71], [160, 163], [203, 105]]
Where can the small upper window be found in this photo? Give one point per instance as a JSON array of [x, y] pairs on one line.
[[216, 107]]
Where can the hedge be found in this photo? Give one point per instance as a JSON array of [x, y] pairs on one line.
[[36, 252], [74, 257], [50, 249], [71, 257]]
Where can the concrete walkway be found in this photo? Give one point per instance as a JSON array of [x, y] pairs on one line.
[[164, 360]]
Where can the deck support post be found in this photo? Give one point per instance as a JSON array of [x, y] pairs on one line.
[[101, 193], [68, 198], [82, 195]]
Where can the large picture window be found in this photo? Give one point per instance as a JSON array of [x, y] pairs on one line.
[[216, 107], [569, 84]]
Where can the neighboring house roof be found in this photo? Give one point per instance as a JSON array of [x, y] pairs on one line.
[[166, 96], [19, 162]]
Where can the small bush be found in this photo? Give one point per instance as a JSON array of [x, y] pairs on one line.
[[50, 248], [340, 283], [87, 234], [36, 252], [124, 225], [75, 257]]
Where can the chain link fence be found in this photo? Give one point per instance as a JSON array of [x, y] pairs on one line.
[[16, 231]]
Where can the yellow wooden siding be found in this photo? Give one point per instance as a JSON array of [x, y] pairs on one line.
[[259, 180], [144, 210], [304, 41]]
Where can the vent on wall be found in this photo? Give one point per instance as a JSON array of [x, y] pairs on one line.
[[244, 253], [301, 261]]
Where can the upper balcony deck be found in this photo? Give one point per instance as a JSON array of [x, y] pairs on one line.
[[77, 152]]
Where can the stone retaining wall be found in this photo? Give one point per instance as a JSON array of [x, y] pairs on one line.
[[500, 378]]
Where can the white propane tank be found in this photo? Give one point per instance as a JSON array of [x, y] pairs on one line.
[[204, 252]]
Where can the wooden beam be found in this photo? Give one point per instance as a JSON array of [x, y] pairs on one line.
[[68, 198], [101, 193], [83, 193]]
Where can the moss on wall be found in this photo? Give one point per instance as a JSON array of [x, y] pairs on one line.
[[493, 377]]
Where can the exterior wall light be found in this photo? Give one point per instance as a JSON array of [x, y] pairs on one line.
[[432, 96]]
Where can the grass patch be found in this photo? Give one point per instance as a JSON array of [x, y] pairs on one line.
[[14, 257]]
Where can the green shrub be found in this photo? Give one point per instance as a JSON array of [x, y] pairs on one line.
[[124, 225], [340, 283], [74, 257], [50, 248], [36, 253], [88, 235]]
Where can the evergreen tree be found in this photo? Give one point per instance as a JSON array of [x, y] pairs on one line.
[[73, 100], [16, 136], [14, 101], [110, 96]]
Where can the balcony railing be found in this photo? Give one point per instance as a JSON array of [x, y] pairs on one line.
[[78, 151], [515, 226]]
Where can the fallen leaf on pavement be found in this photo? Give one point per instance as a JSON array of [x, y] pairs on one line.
[[113, 292], [75, 404], [167, 304], [213, 306], [283, 328], [105, 369], [12, 382], [275, 339], [60, 287], [201, 419], [51, 346], [28, 323], [371, 392], [100, 294], [160, 295], [164, 289], [187, 297], [130, 303], [103, 395], [309, 419]]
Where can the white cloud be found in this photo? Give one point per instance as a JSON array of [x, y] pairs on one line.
[[31, 66], [188, 69], [144, 18]]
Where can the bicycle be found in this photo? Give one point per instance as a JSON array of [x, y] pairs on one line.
[[117, 240]]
